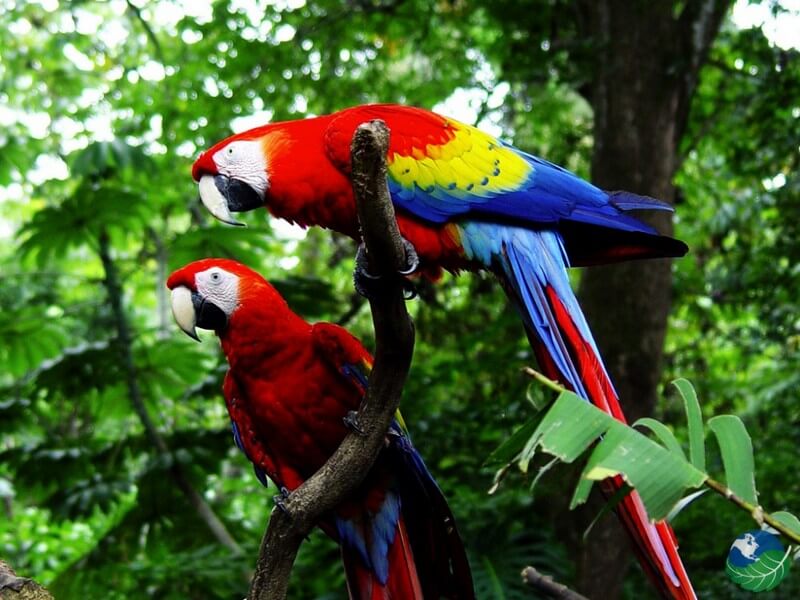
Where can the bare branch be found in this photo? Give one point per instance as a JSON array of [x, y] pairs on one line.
[[394, 335], [137, 13], [550, 588]]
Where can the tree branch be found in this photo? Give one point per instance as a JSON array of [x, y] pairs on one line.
[[757, 512], [137, 13], [19, 588], [394, 339], [546, 585]]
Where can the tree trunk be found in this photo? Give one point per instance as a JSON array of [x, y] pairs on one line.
[[645, 74]]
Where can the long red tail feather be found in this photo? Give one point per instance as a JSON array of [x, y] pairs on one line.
[[655, 543], [403, 582]]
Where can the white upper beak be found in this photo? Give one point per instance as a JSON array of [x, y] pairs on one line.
[[214, 201], [183, 310]]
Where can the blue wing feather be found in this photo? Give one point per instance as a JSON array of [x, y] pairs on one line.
[[548, 195]]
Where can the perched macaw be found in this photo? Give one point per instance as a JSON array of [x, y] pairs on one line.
[[289, 389], [465, 201]]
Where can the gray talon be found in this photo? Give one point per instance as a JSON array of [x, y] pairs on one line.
[[412, 258], [351, 422], [280, 500], [369, 285]]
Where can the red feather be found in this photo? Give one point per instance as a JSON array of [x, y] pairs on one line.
[[649, 540], [308, 163], [288, 389]]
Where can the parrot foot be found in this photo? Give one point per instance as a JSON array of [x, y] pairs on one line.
[[370, 286], [280, 500], [352, 423], [412, 258]]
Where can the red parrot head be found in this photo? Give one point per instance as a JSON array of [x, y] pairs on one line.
[[208, 293], [233, 175]]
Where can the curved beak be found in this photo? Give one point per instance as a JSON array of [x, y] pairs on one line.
[[192, 310], [222, 195], [183, 311]]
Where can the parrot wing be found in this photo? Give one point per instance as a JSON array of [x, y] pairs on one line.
[[398, 536], [263, 464], [440, 169], [343, 352]]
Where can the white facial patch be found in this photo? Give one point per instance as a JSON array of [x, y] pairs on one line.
[[244, 160], [219, 287]]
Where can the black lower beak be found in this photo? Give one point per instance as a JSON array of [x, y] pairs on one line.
[[208, 315], [239, 195]]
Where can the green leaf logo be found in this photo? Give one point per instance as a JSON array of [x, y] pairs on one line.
[[757, 561]]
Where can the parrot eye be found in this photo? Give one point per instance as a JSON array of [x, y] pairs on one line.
[[216, 277], [230, 150]]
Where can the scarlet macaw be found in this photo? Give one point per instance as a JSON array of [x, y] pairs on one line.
[[465, 200], [288, 390]]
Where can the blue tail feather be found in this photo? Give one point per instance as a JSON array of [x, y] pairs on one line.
[[531, 261]]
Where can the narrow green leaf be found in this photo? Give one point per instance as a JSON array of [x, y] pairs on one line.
[[737, 455], [694, 420], [787, 519], [683, 503], [509, 449], [497, 586], [544, 469], [663, 433], [581, 493], [536, 395]]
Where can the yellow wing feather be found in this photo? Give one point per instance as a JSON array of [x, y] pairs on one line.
[[471, 163]]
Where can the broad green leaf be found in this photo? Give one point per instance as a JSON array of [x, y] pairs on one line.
[[572, 425], [737, 455], [28, 337], [658, 475], [79, 219], [100, 159], [694, 420], [567, 429], [663, 433], [246, 245]]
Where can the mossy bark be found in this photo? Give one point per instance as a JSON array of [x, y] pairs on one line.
[[19, 588]]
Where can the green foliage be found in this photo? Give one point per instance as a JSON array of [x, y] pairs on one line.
[[573, 428], [737, 455], [694, 423], [102, 109]]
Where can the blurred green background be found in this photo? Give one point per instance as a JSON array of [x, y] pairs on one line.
[[103, 106]]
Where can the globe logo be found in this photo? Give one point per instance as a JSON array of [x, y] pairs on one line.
[[757, 561]]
